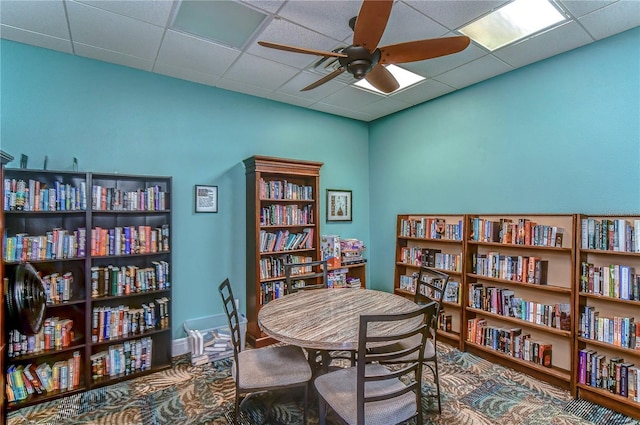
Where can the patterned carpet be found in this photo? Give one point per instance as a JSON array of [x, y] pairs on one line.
[[474, 392]]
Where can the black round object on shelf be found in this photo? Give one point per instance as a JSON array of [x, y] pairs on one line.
[[26, 300]]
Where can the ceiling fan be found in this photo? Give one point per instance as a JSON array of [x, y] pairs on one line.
[[364, 59]]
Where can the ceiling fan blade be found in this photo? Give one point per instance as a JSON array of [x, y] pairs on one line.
[[371, 22], [324, 79], [380, 78], [294, 49], [422, 49]]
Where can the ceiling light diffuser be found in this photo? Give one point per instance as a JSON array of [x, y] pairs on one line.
[[513, 22]]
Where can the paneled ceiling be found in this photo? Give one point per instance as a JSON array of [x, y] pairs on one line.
[[218, 47]]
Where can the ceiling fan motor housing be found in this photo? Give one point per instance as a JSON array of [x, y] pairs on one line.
[[359, 60]]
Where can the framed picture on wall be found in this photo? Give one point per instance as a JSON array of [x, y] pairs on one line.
[[339, 205], [206, 199]]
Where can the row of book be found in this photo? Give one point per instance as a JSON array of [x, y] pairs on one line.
[[431, 228], [127, 240], [521, 232], [616, 375], [610, 234], [58, 287], [285, 240], [516, 268], [503, 301], [34, 195], [56, 333], [124, 280], [111, 199], [339, 278], [615, 281], [282, 189], [25, 380], [110, 323], [271, 267], [270, 291], [509, 341], [122, 359], [617, 330], [207, 346], [286, 215], [55, 244], [430, 257], [445, 321]]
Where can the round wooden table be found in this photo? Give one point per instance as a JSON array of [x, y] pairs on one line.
[[328, 319]]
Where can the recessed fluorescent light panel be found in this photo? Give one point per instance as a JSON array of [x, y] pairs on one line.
[[405, 79], [227, 22], [512, 22]]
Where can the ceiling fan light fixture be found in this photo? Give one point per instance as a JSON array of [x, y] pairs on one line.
[[404, 77], [512, 22]]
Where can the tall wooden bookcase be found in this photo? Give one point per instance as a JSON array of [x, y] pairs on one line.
[[102, 245], [282, 199], [435, 241], [607, 306], [519, 278]]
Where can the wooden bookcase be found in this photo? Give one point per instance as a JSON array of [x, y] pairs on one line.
[[506, 297], [71, 276], [607, 245], [283, 198], [438, 239]]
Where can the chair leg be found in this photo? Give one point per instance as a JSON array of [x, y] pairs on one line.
[[306, 394], [437, 379], [322, 411], [236, 410]]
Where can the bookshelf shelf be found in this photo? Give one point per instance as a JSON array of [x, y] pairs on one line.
[[101, 382], [43, 215], [432, 240], [450, 304], [608, 291], [519, 246], [521, 322], [549, 288], [130, 337], [268, 178]]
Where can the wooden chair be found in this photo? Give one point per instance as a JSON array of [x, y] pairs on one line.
[[303, 271], [370, 393], [262, 369]]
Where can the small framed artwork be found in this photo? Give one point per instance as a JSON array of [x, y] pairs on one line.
[[206, 199], [339, 205]]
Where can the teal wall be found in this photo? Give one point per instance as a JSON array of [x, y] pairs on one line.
[[561, 135], [117, 119]]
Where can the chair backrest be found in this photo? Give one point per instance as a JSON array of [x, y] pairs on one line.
[[229, 303], [430, 287], [303, 271], [386, 330]]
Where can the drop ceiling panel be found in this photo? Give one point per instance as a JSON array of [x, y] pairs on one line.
[[326, 17], [156, 12], [303, 79], [45, 17], [268, 6], [567, 37], [290, 99], [283, 32], [480, 69], [181, 50], [406, 24], [107, 30], [241, 87], [454, 14], [351, 98], [581, 8], [185, 74], [427, 90], [113, 57], [35, 39], [252, 70], [612, 19], [344, 112], [383, 107]]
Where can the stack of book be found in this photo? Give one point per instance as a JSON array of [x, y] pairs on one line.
[[207, 346]]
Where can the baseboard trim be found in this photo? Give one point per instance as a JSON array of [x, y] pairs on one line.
[[180, 347]]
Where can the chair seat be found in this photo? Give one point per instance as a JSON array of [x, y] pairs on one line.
[[272, 367], [339, 390], [429, 349]]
